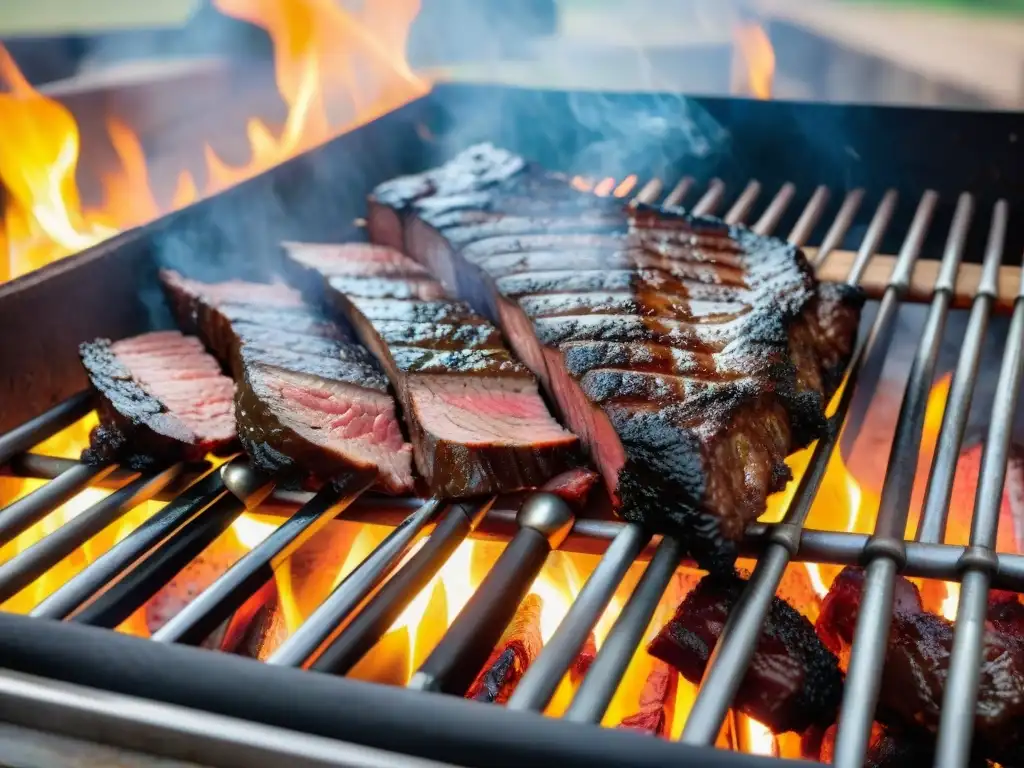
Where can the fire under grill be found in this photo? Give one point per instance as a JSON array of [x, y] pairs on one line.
[[337, 634]]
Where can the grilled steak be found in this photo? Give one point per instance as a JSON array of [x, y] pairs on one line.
[[162, 399], [917, 662], [793, 681], [310, 401], [475, 416], [690, 357]]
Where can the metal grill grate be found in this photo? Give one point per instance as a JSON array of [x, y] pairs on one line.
[[348, 623]]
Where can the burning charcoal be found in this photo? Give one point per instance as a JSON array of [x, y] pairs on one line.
[[1010, 533], [793, 680], [1006, 613], [657, 702], [162, 399], [586, 656], [888, 749], [917, 661], [516, 650]]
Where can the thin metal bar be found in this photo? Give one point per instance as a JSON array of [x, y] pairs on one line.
[[29, 564], [20, 515], [710, 200], [168, 559], [743, 203], [350, 640], [542, 677], [732, 654], [808, 220], [939, 491], [961, 692], [678, 193], [599, 685], [114, 561], [65, 413], [544, 522], [649, 193], [840, 226], [42, 467], [229, 592], [873, 237], [775, 210], [329, 616], [885, 551]]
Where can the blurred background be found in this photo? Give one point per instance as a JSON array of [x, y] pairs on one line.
[[956, 53], [114, 112]]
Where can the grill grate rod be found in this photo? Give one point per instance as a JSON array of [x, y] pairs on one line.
[[354, 636], [735, 648], [329, 616], [544, 522], [29, 564], [542, 677], [18, 516], [978, 562], [840, 226], [143, 581], [885, 551], [33, 432], [939, 490], [77, 591], [243, 579]]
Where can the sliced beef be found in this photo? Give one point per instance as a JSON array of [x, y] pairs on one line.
[[793, 681], [162, 399], [311, 403], [690, 357], [475, 415], [917, 662]]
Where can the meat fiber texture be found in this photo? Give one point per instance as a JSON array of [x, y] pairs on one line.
[[917, 660], [475, 415], [311, 403], [162, 399], [793, 681], [690, 357]]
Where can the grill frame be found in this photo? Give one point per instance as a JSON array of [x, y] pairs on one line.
[[885, 552]]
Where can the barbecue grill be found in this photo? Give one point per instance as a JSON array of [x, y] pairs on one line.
[[850, 183]]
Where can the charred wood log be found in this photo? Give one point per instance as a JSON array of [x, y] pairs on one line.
[[657, 702], [516, 650]]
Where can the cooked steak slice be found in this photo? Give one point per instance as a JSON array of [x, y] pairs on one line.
[[162, 399], [793, 680], [690, 357], [311, 403], [475, 415]]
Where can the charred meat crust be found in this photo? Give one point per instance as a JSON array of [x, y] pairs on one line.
[[473, 413], [793, 681], [717, 313], [136, 429], [311, 405]]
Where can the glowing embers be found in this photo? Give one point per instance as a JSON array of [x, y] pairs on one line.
[[335, 69]]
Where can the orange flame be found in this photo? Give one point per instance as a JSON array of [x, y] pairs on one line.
[[335, 68], [753, 61]]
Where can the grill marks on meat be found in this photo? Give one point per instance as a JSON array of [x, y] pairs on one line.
[[793, 681], [474, 414], [310, 401], [690, 357], [917, 662], [162, 399]]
